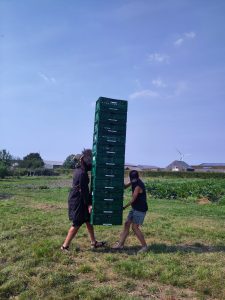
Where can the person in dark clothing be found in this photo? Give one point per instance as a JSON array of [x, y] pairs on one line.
[[79, 205], [137, 213]]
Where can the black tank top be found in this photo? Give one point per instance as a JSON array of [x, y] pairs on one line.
[[140, 203]]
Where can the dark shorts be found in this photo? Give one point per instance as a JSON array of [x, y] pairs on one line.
[[77, 222], [136, 217]]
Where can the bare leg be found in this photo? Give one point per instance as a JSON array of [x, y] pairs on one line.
[[90, 229], [124, 234], [139, 234], [71, 234]]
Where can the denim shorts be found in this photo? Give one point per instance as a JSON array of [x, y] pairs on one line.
[[136, 217]]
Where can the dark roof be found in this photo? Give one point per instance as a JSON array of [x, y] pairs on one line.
[[212, 165], [140, 167], [147, 167]]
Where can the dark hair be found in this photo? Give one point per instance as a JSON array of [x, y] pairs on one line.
[[86, 159], [134, 174]]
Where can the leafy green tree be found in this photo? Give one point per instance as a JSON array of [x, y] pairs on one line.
[[3, 170], [71, 161], [74, 160], [32, 161], [5, 158]]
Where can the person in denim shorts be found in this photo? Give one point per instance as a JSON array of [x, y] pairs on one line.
[[137, 213]]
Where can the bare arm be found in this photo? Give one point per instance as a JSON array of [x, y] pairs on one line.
[[127, 185], [137, 191]]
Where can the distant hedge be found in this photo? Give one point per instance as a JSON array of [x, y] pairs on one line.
[[201, 175]]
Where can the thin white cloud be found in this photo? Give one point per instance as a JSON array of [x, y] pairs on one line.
[[179, 42], [185, 36], [158, 83], [143, 94], [47, 79], [190, 35], [158, 58]]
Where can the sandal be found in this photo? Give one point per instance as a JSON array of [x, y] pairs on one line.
[[117, 246], [97, 244], [65, 249]]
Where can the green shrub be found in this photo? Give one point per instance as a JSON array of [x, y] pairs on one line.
[[167, 174], [222, 200], [3, 170], [211, 189]]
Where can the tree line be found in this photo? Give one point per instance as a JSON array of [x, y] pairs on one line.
[[32, 164]]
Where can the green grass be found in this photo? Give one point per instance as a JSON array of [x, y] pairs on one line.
[[186, 257]]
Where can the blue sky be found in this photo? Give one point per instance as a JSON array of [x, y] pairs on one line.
[[167, 58]]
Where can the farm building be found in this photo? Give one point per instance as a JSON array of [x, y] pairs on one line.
[[210, 167], [49, 164], [178, 166], [141, 167]]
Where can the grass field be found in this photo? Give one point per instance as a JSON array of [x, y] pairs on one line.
[[186, 257]]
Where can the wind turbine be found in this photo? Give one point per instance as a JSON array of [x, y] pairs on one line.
[[182, 155]]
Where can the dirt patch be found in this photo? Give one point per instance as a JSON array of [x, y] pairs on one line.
[[48, 207], [203, 201]]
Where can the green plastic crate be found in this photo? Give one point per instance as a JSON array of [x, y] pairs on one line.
[[108, 180], [102, 148], [110, 159], [100, 206], [109, 129], [107, 202], [105, 172], [107, 219], [107, 164], [107, 193], [109, 140], [111, 117], [119, 156], [108, 103], [98, 185]]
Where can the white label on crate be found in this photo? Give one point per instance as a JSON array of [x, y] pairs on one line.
[[108, 199], [109, 187], [109, 175], [111, 152], [107, 211], [107, 224], [111, 141], [111, 164], [112, 130], [114, 120]]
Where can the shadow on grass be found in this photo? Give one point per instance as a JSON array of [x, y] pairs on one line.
[[164, 248], [126, 250], [5, 196], [196, 247]]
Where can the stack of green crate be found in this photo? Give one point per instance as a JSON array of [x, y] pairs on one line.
[[107, 179]]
